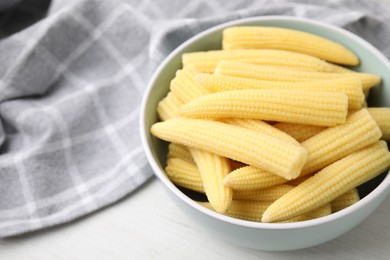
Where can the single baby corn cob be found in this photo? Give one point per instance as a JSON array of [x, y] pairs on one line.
[[344, 70], [331, 182], [179, 151], [251, 178], [322, 211], [382, 117], [298, 131], [334, 143], [351, 86], [260, 126], [184, 85], [259, 37], [237, 143], [294, 106], [184, 174], [169, 107], [269, 194], [345, 200], [213, 169], [262, 72], [246, 210], [206, 61], [368, 80]]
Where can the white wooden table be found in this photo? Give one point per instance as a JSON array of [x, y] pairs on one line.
[[147, 225]]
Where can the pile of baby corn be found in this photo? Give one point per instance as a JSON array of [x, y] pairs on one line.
[[273, 127]]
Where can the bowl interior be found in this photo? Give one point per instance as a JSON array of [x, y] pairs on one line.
[[371, 61]]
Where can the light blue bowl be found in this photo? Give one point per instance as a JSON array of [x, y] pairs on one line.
[[276, 237]]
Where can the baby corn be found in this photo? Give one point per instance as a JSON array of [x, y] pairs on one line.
[[184, 85], [381, 116], [184, 174], [294, 106], [246, 210], [345, 200], [213, 169], [334, 143], [237, 143], [280, 131], [263, 127], [207, 61], [169, 107], [251, 178], [179, 151], [268, 194], [322, 211], [351, 86], [253, 211], [331, 182], [262, 72], [259, 37], [298, 131]]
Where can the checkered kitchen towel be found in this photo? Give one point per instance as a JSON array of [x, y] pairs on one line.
[[71, 85]]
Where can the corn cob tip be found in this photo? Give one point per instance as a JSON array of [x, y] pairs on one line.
[[265, 218], [259, 37]]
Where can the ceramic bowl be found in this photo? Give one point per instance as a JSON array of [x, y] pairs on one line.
[[266, 236]]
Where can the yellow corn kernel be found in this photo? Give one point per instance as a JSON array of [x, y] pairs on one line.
[[268, 194], [345, 200], [213, 169], [262, 72], [259, 37], [169, 107], [331, 182], [206, 61], [246, 210], [381, 116], [322, 211], [184, 85], [237, 143], [251, 178], [260, 126], [184, 174], [294, 106], [298, 131], [179, 151], [334, 143], [351, 86]]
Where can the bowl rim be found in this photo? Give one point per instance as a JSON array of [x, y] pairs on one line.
[[385, 183]]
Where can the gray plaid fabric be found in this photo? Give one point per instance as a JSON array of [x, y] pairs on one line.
[[71, 85]]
